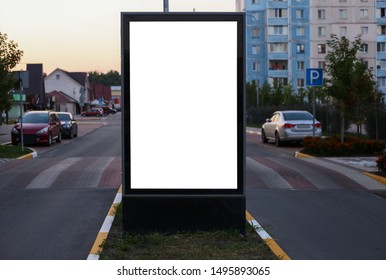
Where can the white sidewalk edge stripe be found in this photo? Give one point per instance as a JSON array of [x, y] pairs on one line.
[[106, 226]]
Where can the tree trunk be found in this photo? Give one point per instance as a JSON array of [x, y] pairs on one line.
[[342, 126]]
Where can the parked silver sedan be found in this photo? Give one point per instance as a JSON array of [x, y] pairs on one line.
[[290, 126]]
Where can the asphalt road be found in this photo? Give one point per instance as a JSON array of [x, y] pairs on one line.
[[53, 206], [313, 208]]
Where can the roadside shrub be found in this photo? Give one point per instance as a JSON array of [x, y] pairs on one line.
[[331, 146], [381, 163]]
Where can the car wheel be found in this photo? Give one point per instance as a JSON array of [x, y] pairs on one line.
[[263, 136], [49, 141], [277, 140], [59, 139]]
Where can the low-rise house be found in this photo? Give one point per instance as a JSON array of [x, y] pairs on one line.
[[73, 84], [61, 102]]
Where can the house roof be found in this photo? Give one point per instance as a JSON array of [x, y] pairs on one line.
[[61, 97], [79, 77]]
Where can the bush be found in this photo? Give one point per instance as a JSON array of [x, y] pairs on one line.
[[381, 163], [331, 146]]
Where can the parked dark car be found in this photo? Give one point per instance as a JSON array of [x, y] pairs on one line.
[[38, 127], [69, 125], [107, 110], [93, 112]]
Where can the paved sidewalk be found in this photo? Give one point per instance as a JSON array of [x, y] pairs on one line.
[[5, 133]]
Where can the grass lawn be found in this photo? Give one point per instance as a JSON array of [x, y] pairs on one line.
[[7, 151], [218, 245]]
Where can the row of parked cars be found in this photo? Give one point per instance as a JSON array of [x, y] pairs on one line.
[[49, 126], [98, 112], [44, 127]]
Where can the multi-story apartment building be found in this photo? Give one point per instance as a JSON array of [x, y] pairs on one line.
[[285, 37], [381, 44]]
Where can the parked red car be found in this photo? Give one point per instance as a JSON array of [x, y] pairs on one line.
[[38, 127], [93, 112]]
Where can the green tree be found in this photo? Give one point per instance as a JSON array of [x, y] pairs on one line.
[[111, 78], [251, 92], [289, 96], [265, 94], [348, 79], [10, 56]]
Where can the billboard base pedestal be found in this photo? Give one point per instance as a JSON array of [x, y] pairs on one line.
[[163, 213]]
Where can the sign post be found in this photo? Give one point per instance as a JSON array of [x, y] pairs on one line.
[[183, 132], [314, 77]]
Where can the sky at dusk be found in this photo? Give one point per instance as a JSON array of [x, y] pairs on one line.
[[81, 35]]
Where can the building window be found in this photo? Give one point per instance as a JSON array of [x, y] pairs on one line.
[[278, 30], [255, 16], [381, 81], [322, 64], [322, 14], [343, 14], [381, 64], [381, 47], [299, 14], [300, 82], [364, 48], [382, 30], [255, 66], [364, 13], [57, 76], [300, 65], [280, 81], [255, 2], [383, 12], [343, 30], [255, 32], [299, 31], [322, 48], [321, 31], [278, 13], [255, 49], [364, 30], [300, 48], [278, 47]]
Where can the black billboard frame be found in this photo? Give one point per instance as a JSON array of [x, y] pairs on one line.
[[219, 208]]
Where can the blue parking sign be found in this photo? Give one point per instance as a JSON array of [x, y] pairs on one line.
[[314, 77]]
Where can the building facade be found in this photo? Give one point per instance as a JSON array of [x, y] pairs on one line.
[[284, 38]]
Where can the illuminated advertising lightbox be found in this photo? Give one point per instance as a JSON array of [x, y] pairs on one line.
[[183, 102]]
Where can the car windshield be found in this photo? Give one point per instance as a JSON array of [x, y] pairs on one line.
[[64, 117], [297, 116], [35, 118]]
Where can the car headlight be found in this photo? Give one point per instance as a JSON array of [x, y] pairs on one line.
[[43, 131]]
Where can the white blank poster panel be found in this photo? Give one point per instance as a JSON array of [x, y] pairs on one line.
[[183, 105]]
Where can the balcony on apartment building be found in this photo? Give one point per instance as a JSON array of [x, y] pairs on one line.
[[272, 4], [278, 68]]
